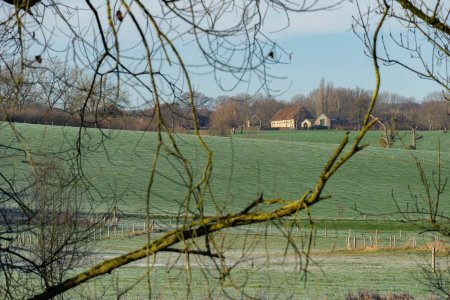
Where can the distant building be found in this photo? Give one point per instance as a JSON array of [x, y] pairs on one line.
[[323, 121], [308, 123], [330, 121], [290, 117]]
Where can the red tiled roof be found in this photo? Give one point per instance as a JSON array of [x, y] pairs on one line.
[[290, 113]]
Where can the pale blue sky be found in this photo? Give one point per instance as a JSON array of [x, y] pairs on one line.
[[322, 46]]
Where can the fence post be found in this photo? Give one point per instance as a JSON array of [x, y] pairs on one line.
[[433, 259]]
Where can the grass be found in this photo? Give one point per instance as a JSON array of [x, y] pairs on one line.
[[345, 274], [119, 167], [284, 164], [334, 137], [271, 273]]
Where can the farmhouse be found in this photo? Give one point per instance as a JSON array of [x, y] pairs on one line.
[[290, 117]]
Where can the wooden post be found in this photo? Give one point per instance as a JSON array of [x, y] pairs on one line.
[[433, 259], [370, 239], [122, 230], [108, 233], [133, 229], [354, 243], [394, 241], [364, 242], [390, 242]]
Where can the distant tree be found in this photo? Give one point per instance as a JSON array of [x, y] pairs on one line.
[[17, 88], [389, 132], [231, 112], [322, 96], [359, 106], [55, 228], [306, 101], [199, 100], [264, 108], [434, 112]]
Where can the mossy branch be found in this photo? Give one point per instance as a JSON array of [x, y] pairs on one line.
[[206, 226], [433, 21]]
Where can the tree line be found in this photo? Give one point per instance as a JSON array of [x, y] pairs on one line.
[[64, 97]]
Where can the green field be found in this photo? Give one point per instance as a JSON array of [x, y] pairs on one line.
[[268, 272], [282, 163]]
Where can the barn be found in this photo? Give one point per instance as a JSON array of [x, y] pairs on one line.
[[290, 117]]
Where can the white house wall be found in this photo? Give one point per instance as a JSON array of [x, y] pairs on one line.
[[283, 124]]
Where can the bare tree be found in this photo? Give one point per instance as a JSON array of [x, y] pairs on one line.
[[264, 108], [425, 36], [239, 50], [53, 232]]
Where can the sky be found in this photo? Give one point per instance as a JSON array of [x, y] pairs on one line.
[[323, 46]]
